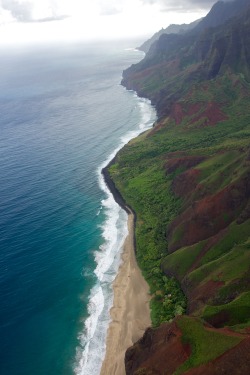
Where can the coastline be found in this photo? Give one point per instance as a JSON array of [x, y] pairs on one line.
[[111, 186], [130, 314]]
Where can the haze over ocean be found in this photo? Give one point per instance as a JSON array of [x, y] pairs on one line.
[[63, 115]]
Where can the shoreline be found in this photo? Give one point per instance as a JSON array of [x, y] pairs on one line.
[[115, 192], [130, 313]]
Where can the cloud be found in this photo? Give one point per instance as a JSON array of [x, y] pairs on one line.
[[181, 5], [21, 11], [32, 11], [50, 10], [26, 11], [110, 7]]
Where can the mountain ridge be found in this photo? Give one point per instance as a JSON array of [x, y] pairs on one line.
[[171, 29], [204, 54], [188, 180]]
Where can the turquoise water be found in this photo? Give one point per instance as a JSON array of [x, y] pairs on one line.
[[63, 116]]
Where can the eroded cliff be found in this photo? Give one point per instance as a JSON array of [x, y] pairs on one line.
[[188, 180]]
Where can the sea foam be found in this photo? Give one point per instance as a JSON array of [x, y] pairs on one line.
[[108, 258]]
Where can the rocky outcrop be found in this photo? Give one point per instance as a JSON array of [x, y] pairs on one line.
[[155, 349], [162, 351]]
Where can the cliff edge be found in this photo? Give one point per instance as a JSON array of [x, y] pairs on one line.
[[188, 180]]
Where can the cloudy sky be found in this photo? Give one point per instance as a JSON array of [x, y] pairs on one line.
[[23, 21]]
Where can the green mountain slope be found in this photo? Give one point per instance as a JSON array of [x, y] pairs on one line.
[[188, 181], [176, 62]]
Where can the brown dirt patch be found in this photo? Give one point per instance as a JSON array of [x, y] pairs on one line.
[[184, 162], [185, 183], [200, 295], [210, 113], [208, 216], [160, 351], [210, 243]]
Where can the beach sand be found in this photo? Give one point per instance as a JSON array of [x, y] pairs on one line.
[[130, 313]]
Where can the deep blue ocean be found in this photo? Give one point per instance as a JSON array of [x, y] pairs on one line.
[[63, 115]]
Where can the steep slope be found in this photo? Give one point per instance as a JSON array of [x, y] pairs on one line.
[[171, 29], [176, 62], [221, 12], [188, 180], [171, 349]]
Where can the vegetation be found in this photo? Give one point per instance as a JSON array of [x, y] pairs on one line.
[[188, 181], [200, 339], [140, 174], [146, 189], [237, 311]]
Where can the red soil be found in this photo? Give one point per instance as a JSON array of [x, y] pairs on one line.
[[169, 68], [209, 112], [185, 183], [200, 295], [210, 243], [160, 351], [177, 113], [206, 217], [184, 162]]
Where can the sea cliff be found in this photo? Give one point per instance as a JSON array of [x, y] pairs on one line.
[[188, 180]]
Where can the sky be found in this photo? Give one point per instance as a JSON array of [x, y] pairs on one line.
[[33, 21]]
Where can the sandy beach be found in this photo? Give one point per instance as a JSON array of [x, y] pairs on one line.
[[130, 313]]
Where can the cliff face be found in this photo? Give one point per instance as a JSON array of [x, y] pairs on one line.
[[171, 29], [177, 61], [221, 12], [188, 180], [156, 344], [163, 351]]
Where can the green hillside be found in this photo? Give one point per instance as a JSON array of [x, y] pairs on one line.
[[188, 181]]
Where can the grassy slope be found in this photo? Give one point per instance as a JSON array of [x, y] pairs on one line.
[[200, 338], [223, 261]]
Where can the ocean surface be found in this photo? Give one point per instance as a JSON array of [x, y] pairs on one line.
[[63, 116]]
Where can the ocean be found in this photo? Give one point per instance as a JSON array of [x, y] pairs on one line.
[[64, 115]]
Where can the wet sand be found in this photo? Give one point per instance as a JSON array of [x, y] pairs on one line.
[[130, 313]]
